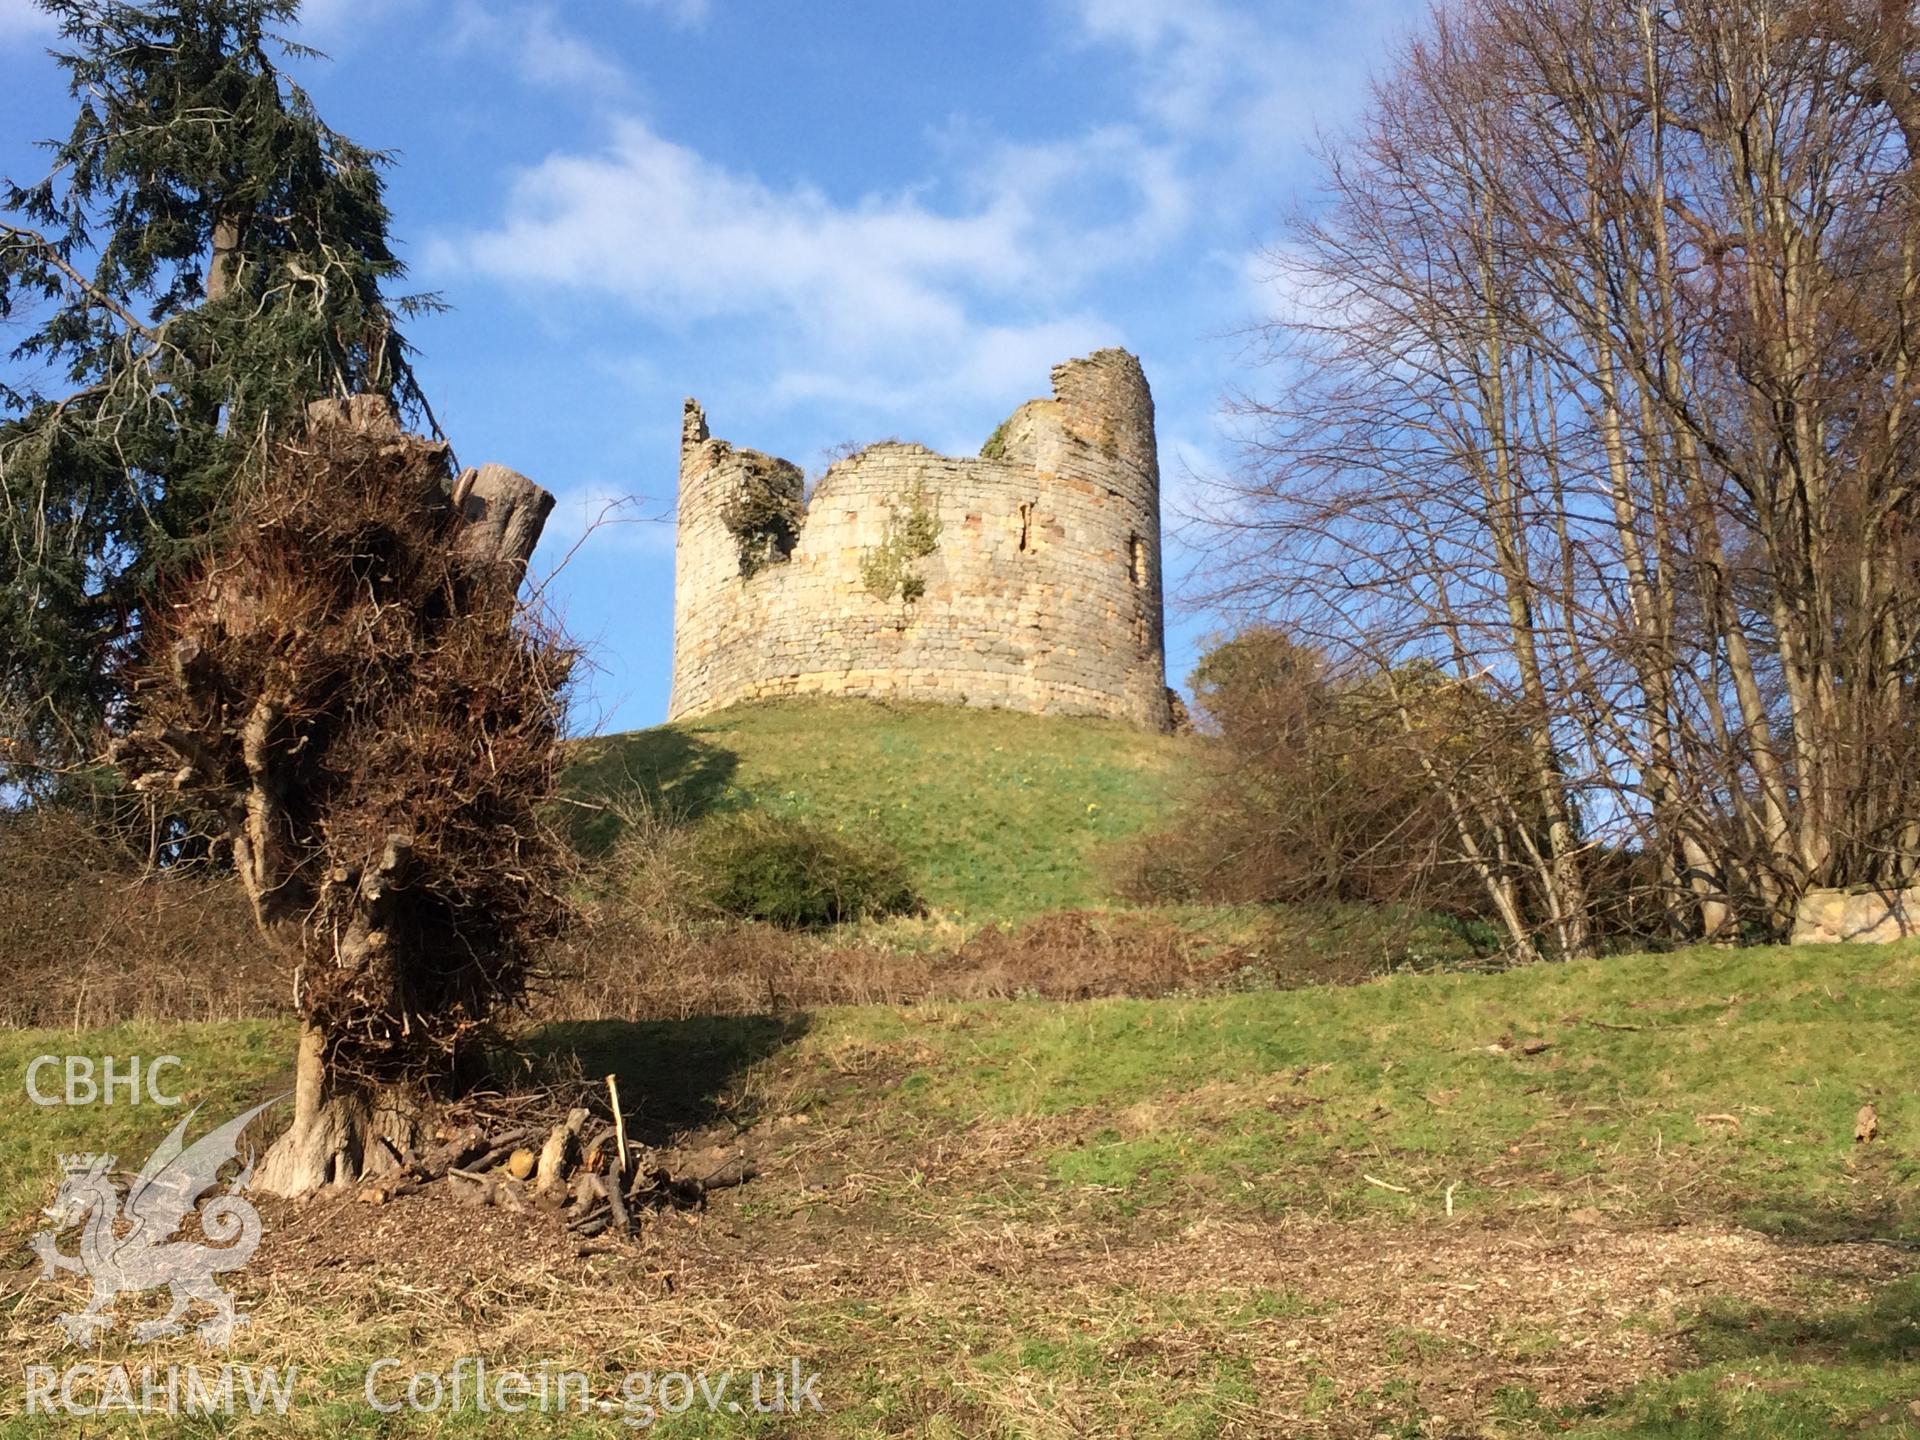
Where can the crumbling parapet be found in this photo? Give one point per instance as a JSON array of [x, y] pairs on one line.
[[1027, 578]]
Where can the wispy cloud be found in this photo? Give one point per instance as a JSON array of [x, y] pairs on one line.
[[536, 46], [674, 234], [340, 26], [1245, 78], [919, 386], [885, 285]]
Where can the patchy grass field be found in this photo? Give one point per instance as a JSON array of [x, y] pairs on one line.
[[1001, 815], [1614, 1198]]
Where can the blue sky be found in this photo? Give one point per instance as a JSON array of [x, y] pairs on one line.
[[832, 221]]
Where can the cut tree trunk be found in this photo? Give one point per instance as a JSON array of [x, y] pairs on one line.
[[504, 513], [342, 1131]]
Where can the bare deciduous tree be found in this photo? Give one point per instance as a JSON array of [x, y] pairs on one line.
[[1599, 391]]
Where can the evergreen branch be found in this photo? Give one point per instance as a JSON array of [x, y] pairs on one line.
[[47, 254]]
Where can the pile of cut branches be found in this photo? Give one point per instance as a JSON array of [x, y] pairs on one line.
[[583, 1168]]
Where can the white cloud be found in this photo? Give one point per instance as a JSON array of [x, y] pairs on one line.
[[538, 48], [879, 302], [983, 362], [1199, 50], [549, 55], [343, 24], [1119, 199], [1245, 75], [662, 228]]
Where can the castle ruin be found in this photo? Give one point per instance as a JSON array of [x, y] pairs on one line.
[[1026, 578]]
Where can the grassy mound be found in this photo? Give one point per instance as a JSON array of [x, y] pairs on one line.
[[1000, 815]]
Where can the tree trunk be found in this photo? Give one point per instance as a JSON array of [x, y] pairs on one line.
[[505, 513], [223, 264], [342, 1131]]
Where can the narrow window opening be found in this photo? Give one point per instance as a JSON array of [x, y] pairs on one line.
[[1136, 559], [1026, 528]]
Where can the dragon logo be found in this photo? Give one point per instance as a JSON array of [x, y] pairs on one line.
[[129, 1247]]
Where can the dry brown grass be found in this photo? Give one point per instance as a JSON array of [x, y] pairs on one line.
[[90, 935], [94, 937], [629, 968], [1055, 1321]]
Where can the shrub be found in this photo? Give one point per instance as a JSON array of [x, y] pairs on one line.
[[798, 876], [765, 512], [651, 874], [1330, 784], [890, 568]]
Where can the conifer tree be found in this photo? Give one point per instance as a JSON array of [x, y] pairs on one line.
[[203, 258]]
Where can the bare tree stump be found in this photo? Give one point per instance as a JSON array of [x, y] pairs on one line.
[[559, 1155]]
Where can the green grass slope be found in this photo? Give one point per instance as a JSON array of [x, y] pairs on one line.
[[1001, 815], [1196, 1195]]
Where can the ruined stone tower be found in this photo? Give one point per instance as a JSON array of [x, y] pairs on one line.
[[1027, 578]]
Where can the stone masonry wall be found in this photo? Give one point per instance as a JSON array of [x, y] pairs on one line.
[[1041, 590], [1861, 917]]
